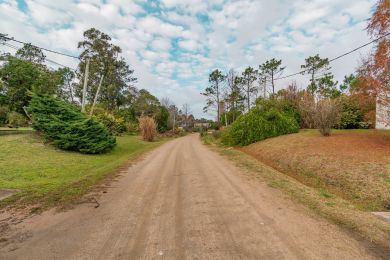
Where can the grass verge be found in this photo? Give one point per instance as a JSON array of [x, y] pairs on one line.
[[321, 202], [51, 177]]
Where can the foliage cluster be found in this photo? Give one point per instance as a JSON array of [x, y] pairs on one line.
[[67, 128], [265, 120]]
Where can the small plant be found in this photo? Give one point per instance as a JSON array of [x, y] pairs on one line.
[[16, 120], [327, 113], [217, 134], [148, 128]]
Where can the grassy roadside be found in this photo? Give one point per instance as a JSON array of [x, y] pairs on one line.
[[329, 206], [51, 177]]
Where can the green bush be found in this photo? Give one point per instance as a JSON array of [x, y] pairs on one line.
[[16, 119], [115, 124], [3, 114], [67, 128], [352, 114], [264, 121], [217, 134]]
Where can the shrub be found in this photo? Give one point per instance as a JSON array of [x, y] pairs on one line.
[[353, 113], [3, 114], [16, 119], [162, 117], [148, 128], [307, 110], [217, 134], [67, 128], [259, 123], [327, 112], [132, 127]]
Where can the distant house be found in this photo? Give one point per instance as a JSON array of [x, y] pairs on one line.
[[202, 125], [383, 111]]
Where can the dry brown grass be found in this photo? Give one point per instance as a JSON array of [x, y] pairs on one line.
[[148, 128], [352, 164]]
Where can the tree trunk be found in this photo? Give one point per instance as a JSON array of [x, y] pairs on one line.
[[218, 111]]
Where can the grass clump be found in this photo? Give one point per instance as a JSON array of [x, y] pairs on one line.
[[148, 128]]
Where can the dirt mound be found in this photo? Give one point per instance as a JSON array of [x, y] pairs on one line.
[[353, 164]]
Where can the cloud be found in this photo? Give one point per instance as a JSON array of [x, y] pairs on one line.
[[174, 44]]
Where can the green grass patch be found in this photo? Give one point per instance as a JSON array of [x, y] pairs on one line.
[[49, 176]]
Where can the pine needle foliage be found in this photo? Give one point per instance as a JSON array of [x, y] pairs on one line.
[[67, 128]]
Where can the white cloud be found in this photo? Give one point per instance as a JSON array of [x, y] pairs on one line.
[[189, 45], [173, 49]]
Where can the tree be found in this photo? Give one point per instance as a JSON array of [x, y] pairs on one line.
[[31, 53], [326, 86], [145, 104], [67, 90], [214, 91], [314, 65], [374, 73], [248, 76], [271, 69], [161, 118], [19, 77], [233, 96], [104, 62], [186, 112], [349, 84]]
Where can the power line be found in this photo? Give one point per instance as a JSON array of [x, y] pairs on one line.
[[46, 59], [338, 57], [48, 50]]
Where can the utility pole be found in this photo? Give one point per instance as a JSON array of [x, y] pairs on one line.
[[96, 95], [85, 86]]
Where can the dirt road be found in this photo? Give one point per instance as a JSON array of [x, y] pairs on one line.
[[183, 201]]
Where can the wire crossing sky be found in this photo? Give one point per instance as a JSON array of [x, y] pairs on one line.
[[174, 44]]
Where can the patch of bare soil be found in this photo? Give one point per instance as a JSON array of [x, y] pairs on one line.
[[183, 202], [353, 165]]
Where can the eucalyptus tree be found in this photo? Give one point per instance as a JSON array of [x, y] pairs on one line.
[[30, 53], [214, 92], [106, 64]]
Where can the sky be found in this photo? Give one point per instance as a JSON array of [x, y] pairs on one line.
[[173, 45]]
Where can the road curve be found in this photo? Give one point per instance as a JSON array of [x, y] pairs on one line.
[[183, 201]]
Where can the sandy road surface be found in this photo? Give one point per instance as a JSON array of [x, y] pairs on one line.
[[183, 201]]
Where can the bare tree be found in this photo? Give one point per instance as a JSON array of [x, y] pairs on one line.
[[186, 112], [327, 112]]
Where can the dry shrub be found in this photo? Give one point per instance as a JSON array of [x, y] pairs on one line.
[[326, 115], [148, 128], [307, 110]]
